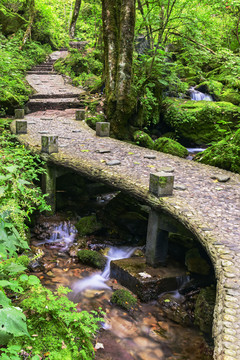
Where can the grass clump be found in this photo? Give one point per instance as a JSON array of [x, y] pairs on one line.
[[124, 299]]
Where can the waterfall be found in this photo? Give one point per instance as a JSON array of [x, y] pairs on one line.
[[64, 233], [199, 96], [97, 281]]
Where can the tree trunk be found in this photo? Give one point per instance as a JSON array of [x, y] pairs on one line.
[[75, 14], [29, 27], [118, 35]]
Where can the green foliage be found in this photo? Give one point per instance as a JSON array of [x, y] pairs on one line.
[[14, 91], [19, 197], [124, 299], [93, 258], [57, 329], [82, 67], [170, 146]]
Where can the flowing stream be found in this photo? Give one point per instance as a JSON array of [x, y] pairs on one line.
[[98, 281], [144, 335], [199, 96]]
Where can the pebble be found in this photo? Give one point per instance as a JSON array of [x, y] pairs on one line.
[[113, 162], [103, 151], [180, 187], [221, 178], [150, 156]]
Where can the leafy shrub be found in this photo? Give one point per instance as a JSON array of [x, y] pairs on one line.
[[14, 90], [57, 329], [124, 299], [19, 196]]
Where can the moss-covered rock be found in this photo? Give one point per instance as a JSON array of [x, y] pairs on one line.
[[92, 258], [225, 154], [124, 299], [200, 122], [143, 139], [10, 22], [231, 95], [170, 146], [211, 87], [92, 120], [204, 309], [196, 262], [88, 225]]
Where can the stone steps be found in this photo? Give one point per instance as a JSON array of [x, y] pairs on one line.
[[31, 72], [55, 96], [42, 104]]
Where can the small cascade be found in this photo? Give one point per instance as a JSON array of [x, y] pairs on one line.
[[63, 234], [97, 281], [199, 96], [182, 280]]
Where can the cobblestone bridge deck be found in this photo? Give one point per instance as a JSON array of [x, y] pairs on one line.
[[208, 208]]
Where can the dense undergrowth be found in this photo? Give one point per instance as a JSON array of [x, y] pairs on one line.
[[14, 90], [35, 322]]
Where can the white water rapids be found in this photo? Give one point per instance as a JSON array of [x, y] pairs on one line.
[[199, 96], [98, 281]]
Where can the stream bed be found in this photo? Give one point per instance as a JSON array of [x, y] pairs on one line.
[[144, 334]]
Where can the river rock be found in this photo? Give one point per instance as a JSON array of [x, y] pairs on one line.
[[204, 309], [173, 307], [88, 225], [196, 262]]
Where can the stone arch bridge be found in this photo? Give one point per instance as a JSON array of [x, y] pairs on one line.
[[205, 200]]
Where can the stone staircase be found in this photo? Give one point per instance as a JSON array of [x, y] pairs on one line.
[[52, 92]]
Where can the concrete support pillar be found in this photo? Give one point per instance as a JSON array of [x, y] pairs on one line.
[[49, 187], [102, 129], [80, 114], [157, 241]]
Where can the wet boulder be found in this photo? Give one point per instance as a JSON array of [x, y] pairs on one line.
[[200, 122], [225, 154], [143, 139], [92, 258], [176, 309], [169, 146], [204, 309], [124, 299], [88, 225], [196, 262]]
